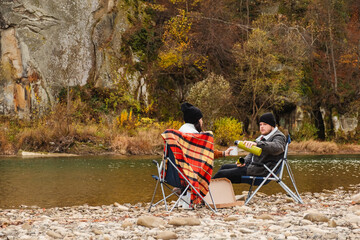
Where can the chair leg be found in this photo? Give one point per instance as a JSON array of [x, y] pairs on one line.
[[258, 187], [163, 193], [250, 189], [153, 197], [253, 194], [164, 198], [293, 183], [180, 198], [290, 192], [212, 200], [195, 190]]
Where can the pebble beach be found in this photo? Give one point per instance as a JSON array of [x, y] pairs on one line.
[[331, 214]]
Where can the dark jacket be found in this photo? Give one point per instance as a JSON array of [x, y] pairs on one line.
[[272, 151]]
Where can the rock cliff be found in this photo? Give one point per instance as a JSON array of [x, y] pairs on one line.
[[47, 45]]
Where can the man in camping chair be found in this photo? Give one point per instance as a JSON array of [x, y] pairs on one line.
[[272, 142]]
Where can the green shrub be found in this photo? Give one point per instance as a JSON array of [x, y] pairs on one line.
[[307, 131], [226, 130]]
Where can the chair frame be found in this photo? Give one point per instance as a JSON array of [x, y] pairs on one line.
[[275, 174], [160, 179]]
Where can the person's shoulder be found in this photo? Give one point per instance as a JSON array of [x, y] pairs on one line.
[[188, 128], [280, 134]]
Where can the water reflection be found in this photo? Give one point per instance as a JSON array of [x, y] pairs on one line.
[[49, 182]]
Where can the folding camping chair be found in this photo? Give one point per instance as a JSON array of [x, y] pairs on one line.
[[275, 174], [171, 175]]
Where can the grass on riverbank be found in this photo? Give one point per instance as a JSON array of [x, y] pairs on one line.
[[61, 132], [80, 138], [312, 146], [317, 147]]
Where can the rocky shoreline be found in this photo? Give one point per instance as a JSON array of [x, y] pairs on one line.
[[327, 215]]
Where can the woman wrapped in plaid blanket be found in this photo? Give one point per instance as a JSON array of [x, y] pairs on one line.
[[193, 124]]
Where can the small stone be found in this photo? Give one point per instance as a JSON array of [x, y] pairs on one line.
[[166, 235], [121, 207], [356, 198], [97, 231], [316, 217], [332, 223], [275, 228], [317, 230], [281, 237], [355, 209], [126, 224], [264, 217], [183, 221], [107, 237], [53, 234], [352, 218], [288, 208], [292, 238], [231, 218], [26, 226], [243, 209], [3, 221], [150, 221], [245, 230]]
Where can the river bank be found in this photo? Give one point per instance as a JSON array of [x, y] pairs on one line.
[[302, 148], [53, 138], [327, 215]]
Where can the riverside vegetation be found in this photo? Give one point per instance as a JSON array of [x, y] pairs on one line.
[[77, 130]]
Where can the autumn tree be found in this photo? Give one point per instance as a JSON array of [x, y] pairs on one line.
[[213, 96], [269, 67], [329, 86], [176, 58]]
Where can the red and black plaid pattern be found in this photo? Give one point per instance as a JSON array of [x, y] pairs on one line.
[[194, 156]]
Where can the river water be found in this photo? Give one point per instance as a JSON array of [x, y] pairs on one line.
[[103, 180]]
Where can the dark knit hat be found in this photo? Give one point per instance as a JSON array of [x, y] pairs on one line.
[[268, 118], [191, 114]]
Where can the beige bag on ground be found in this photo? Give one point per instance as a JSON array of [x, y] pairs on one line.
[[223, 193]]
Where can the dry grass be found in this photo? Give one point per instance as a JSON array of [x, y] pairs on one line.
[[312, 146], [143, 143], [60, 131], [6, 148]]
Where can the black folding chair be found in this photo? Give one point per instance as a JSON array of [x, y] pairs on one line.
[[274, 174]]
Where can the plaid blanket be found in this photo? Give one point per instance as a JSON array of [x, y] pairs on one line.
[[194, 156]]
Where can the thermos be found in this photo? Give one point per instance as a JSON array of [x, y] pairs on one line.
[[241, 160], [254, 150]]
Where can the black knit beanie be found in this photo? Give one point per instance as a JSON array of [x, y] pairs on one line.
[[191, 114], [268, 118]]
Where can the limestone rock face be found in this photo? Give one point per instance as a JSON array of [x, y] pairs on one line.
[[47, 45]]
